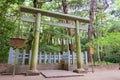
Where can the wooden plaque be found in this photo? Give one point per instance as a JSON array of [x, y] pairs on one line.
[[62, 62], [91, 50], [17, 42]]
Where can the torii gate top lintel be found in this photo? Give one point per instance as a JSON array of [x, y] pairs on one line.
[[53, 14]]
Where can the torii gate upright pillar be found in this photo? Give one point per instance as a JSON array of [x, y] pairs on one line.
[[35, 47], [78, 49], [78, 45]]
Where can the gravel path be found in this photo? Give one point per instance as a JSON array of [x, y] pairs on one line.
[[98, 75]]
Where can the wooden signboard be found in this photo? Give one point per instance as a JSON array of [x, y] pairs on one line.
[[62, 62], [17, 42], [91, 50]]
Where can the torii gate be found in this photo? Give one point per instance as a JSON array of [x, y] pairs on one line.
[[39, 13]]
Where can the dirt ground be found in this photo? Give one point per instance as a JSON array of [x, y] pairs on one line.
[[101, 73]]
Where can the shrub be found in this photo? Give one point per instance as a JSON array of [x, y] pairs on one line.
[[114, 58]]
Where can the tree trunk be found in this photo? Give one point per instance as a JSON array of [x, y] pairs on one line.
[[91, 25], [98, 50], [35, 3], [70, 44]]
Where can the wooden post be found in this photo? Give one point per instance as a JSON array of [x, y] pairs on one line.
[[78, 46], [35, 46], [14, 66], [73, 58], [91, 52]]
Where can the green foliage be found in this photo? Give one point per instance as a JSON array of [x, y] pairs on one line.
[[113, 58], [111, 40], [46, 36], [115, 26], [8, 25], [83, 42], [6, 31]]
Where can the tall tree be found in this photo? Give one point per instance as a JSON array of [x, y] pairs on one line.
[[90, 27], [65, 10]]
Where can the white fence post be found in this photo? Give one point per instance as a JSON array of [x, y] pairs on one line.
[[40, 58], [68, 58], [59, 57], [45, 57], [49, 58], [86, 58], [54, 57], [10, 57]]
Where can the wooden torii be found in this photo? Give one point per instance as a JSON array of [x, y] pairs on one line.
[[39, 13]]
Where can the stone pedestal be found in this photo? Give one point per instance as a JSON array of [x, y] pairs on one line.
[[31, 72], [80, 70]]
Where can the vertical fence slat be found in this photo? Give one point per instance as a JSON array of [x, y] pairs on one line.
[[49, 58], [45, 58], [40, 58], [68, 57], [54, 57], [59, 57], [86, 58], [10, 57]]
